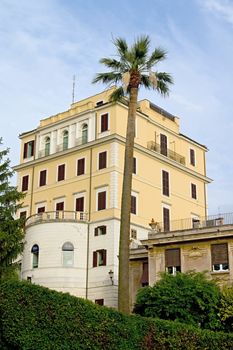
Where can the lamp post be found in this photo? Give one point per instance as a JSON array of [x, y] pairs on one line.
[[111, 276]]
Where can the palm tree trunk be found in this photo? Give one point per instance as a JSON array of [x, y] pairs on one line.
[[123, 287]]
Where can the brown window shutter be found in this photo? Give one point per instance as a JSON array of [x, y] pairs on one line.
[[96, 231], [104, 257], [165, 176], [61, 172], [104, 122], [192, 157], [194, 191], [101, 200], [23, 214], [25, 183], [134, 165], [102, 160], [81, 166], [104, 230], [145, 275], [25, 150], [60, 206], [163, 144], [219, 253], [172, 257], [99, 301], [94, 259], [41, 210], [43, 178], [133, 204], [166, 219], [80, 204]]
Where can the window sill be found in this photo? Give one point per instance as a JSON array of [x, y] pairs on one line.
[[220, 272]]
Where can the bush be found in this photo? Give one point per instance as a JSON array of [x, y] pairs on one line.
[[186, 297], [226, 308], [34, 317]]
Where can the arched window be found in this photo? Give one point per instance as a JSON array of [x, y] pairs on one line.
[[84, 133], [35, 256], [68, 254], [47, 146], [65, 139]]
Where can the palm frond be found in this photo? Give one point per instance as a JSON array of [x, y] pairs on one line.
[[112, 63], [145, 82], [117, 95], [141, 47], [121, 46], [157, 55], [105, 78], [165, 77], [162, 88]]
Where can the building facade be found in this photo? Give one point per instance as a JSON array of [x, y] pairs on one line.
[[71, 170]]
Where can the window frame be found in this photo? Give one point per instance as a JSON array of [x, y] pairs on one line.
[[175, 255], [44, 171], [35, 251], [220, 261], [25, 183], [166, 224], [99, 258], [102, 160], [103, 127], [26, 148], [100, 230], [84, 166], [64, 172], [165, 183], [192, 156], [69, 249], [193, 191]]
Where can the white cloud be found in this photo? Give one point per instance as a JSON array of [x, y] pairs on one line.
[[222, 8]]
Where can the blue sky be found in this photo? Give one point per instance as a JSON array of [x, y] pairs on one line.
[[44, 43]]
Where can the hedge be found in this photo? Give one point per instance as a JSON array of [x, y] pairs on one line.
[[34, 317]]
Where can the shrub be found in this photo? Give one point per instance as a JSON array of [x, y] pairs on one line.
[[186, 297], [37, 318]]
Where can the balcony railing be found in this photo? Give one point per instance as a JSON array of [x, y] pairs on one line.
[[166, 152], [56, 216], [80, 141], [197, 223]]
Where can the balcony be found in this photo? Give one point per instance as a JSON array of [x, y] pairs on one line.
[[151, 145], [195, 224], [80, 141], [56, 216]]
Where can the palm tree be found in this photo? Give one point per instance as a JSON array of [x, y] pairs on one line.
[[129, 72]]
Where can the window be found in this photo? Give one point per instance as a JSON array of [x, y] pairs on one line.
[[194, 191], [65, 139], [134, 165], [165, 180], [79, 204], [59, 206], [104, 122], [101, 200], [47, 146], [28, 150], [172, 260], [100, 230], [163, 144], [84, 133], [25, 182], [43, 174], [99, 257], [133, 204], [145, 275], [23, 214], [166, 219], [35, 256], [67, 254], [40, 210], [192, 157], [133, 233], [102, 160], [219, 254], [61, 172], [81, 166], [99, 301]]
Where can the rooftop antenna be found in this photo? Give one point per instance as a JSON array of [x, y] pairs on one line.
[[73, 89]]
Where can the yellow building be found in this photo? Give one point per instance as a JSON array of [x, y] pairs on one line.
[[71, 169]]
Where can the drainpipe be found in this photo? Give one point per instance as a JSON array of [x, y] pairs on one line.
[[88, 225]]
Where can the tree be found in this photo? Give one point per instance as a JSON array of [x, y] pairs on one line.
[[226, 307], [11, 229], [132, 70], [187, 297]]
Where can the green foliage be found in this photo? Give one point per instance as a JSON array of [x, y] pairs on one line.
[[11, 230], [186, 297], [226, 308], [34, 317]]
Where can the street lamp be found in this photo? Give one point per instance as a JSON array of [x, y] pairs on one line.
[[111, 276]]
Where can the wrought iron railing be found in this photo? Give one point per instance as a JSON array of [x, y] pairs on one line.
[[56, 216], [195, 223], [166, 152]]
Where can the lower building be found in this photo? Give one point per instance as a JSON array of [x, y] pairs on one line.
[[203, 246]]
